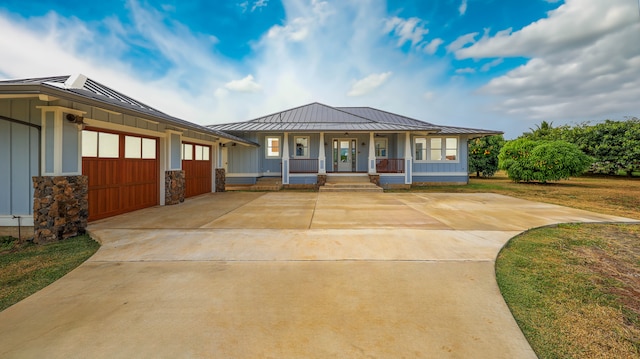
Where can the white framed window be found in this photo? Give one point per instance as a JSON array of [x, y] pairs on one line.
[[100, 144], [380, 145], [302, 146], [272, 148], [436, 149], [187, 151]]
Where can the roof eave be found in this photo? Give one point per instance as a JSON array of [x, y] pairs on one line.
[[37, 89]]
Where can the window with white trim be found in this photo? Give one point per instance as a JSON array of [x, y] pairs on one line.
[[273, 147], [302, 146], [380, 145], [436, 149]]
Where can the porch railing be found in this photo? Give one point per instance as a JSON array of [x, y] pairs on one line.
[[390, 165], [306, 165]]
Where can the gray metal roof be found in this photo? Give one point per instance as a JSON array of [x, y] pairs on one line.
[[93, 93], [316, 117]]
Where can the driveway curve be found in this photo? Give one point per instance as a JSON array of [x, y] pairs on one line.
[[289, 275]]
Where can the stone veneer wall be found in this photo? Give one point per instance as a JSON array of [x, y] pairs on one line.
[[173, 187], [322, 180], [60, 207], [220, 179], [375, 179]]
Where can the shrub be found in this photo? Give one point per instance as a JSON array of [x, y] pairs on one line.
[[542, 161]]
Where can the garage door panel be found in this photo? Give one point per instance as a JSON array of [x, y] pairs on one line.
[[120, 185], [197, 170]]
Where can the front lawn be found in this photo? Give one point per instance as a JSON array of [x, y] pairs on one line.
[[26, 268], [575, 290]]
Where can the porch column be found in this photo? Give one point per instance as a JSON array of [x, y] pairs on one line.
[[372, 154], [408, 168], [322, 158], [285, 158]]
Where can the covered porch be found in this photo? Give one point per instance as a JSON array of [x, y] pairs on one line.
[[372, 153]]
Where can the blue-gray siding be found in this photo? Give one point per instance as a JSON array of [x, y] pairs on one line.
[[19, 151]]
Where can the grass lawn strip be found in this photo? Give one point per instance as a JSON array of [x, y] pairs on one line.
[[26, 268], [575, 289]]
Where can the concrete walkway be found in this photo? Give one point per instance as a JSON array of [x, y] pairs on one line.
[[289, 275]]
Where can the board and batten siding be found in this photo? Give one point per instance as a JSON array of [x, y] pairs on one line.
[[19, 156]]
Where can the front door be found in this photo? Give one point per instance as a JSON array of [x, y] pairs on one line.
[[344, 155]]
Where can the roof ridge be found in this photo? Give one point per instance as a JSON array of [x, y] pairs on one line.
[[391, 113]]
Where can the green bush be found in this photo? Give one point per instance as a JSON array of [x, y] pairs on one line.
[[542, 161]]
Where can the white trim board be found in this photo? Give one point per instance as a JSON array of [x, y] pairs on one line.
[[25, 221]]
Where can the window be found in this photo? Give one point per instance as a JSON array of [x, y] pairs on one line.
[[436, 149], [202, 153], [132, 147], [421, 149], [107, 145], [273, 147], [381, 147], [148, 148], [302, 146], [100, 144], [187, 151]]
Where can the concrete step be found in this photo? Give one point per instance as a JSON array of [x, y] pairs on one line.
[[350, 178], [374, 189], [349, 184], [350, 187]]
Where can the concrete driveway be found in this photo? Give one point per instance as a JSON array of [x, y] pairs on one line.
[[289, 275]]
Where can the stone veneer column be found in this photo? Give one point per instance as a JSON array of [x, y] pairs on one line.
[[173, 187], [221, 178], [60, 207]]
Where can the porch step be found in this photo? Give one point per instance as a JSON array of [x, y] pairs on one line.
[[347, 179], [350, 187], [266, 184]]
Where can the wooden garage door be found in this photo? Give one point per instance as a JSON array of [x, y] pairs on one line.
[[196, 164], [123, 171]]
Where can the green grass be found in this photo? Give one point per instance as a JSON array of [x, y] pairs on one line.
[[574, 289], [26, 268]]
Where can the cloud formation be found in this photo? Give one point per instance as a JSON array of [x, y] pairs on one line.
[[368, 84], [584, 63], [244, 85]]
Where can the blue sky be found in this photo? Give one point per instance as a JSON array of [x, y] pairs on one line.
[[497, 64]]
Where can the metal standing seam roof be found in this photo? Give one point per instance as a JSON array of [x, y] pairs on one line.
[[319, 117], [94, 93]]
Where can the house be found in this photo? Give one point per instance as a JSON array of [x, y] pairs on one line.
[[73, 150], [304, 145]]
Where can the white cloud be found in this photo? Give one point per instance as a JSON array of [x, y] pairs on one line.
[[584, 63], [461, 41], [431, 47], [259, 4], [462, 9], [406, 30], [368, 84], [244, 85], [488, 66]]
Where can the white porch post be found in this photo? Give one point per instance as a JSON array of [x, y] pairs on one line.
[[322, 158], [372, 154], [408, 159], [285, 159]]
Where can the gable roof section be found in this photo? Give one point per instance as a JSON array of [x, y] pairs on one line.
[[316, 117], [85, 90]]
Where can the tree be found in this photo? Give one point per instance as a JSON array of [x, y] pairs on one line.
[[542, 161], [483, 155], [546, 131], [614, 145]]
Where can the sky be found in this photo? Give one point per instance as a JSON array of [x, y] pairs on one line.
[[493, 64]]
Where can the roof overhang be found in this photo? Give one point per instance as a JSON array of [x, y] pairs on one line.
[[51, 93]]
